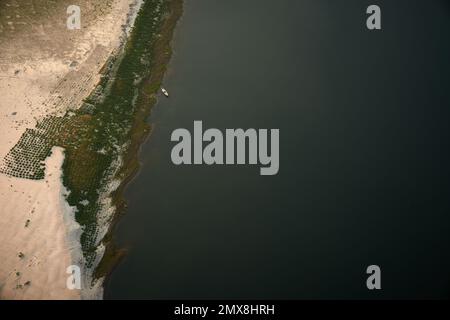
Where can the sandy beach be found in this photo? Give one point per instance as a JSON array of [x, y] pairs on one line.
[[46, 69]]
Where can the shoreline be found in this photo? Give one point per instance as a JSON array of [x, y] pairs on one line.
[[40, 237], [37, 110], [91, 115], [142, 131]]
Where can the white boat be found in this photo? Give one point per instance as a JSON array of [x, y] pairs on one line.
[[165, 92]]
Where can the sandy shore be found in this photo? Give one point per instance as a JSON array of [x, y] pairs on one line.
[[45, 69], [37, 222]]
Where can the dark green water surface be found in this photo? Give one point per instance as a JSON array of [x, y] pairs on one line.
[[364, 156]]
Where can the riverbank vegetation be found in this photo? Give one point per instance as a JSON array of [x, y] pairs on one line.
[[101, 138]]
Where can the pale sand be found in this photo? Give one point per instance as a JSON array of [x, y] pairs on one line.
[[44, 242], [36, 81]]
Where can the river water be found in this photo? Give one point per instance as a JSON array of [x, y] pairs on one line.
[[364, 156]]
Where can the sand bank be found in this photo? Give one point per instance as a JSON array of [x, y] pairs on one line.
[[46, 69]]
